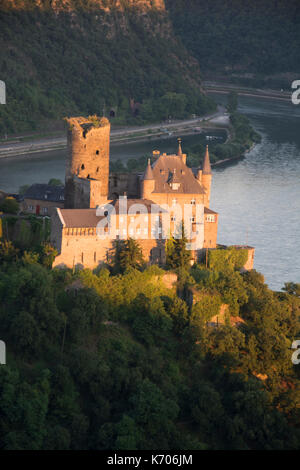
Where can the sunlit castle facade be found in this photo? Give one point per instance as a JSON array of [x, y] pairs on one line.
[[150, 209]]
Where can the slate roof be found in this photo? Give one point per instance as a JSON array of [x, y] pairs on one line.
[[45, 192], [163, 168]]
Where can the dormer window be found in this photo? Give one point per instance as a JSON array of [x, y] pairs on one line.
[[175, 186]]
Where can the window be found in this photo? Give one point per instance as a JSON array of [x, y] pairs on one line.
[[210, 218], [97, 152], [94, 255], [131, 219], [82, 257], [193, 202], [30, 207], [82, 166], [192, 219], [45, 210], [174, 202], [173, 218]]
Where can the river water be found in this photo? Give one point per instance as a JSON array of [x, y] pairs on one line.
[[258, 198]]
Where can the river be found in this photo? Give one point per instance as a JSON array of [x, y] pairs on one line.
[[258, 198]]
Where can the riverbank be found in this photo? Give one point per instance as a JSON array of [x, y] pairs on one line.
[[215, 87], [120, 136]]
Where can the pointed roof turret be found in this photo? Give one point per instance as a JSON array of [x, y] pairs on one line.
[[179, 151], [148, 175], [206, 169]]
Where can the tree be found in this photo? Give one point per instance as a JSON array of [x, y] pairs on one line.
[[292, 288], [9, 206], [55, 182], [232, 102], [128, 254], [8, 252], [177, 256], [23, 188], [47, 254]]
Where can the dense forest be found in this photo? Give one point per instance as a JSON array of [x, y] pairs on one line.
[[67, 57], [254, 42], [63, 58], [117, 359]]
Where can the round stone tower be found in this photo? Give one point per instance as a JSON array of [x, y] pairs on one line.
[[87, 168]]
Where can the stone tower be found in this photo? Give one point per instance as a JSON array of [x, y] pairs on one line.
[[87, 169], [206, 176]]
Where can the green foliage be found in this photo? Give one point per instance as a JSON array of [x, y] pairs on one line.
[[208, 305], [229, 258], [55, 182], [232, 103], [58, 73], [9, 206], [177, 255], [23, 189], [235, 39], [120, 362], [127, 254]]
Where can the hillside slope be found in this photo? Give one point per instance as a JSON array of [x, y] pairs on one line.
[[70, 56], [230, 37]]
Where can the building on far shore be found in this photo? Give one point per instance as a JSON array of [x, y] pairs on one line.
[[43, 199]]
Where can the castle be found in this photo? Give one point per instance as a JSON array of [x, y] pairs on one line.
[[124, 206]]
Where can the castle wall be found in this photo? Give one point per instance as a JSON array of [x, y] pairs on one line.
[[210, 232], [56, 231], [250, 261], [83, 247], [121, 183]]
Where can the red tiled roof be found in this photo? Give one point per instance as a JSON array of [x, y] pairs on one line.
[[80, 218], [209, 211], [164, 167]]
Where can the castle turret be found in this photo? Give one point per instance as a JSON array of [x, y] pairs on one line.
[[148, 182], [206, 175], [87, 171], [179, 152]]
